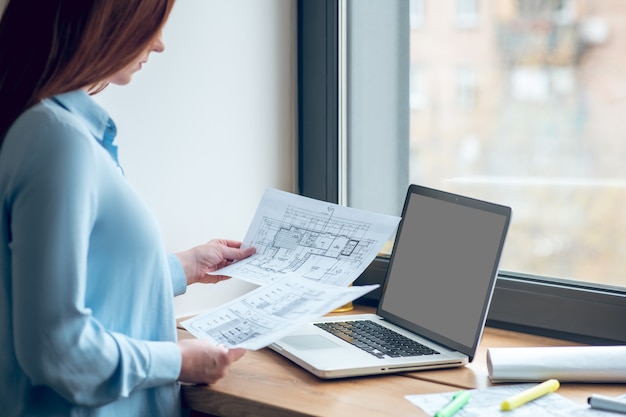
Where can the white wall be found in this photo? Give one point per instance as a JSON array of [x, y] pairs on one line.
[[207, 125]]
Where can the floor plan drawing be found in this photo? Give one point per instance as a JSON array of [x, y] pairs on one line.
[[317, 240], [265, 314], [314, 246], [308, 252]]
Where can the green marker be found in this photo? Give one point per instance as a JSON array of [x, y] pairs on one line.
[[458, 401]]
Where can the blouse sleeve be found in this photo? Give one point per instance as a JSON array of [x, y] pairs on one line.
[[179, 280]]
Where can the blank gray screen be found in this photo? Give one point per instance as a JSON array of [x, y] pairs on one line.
[[444, 261]]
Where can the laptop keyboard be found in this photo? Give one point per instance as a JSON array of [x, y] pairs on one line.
[[376, 339]]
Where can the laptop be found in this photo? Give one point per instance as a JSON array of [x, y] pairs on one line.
[[435, 297]]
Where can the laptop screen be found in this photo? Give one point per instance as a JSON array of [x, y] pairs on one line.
[[443, 267]]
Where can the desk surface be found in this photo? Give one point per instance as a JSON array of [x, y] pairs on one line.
[[263, 383]]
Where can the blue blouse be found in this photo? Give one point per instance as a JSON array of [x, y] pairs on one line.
[[87, 323]]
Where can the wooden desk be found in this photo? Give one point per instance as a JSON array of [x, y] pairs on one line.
[[475, 374], [263, 383]]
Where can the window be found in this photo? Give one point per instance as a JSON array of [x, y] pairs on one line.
[[466, 88], [542, 134], [416, 17], [466, 13], [417, 88], [524, 109]]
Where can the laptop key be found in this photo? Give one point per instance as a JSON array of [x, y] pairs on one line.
[[375, 339]]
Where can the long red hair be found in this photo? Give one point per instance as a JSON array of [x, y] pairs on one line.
[[55, 46]]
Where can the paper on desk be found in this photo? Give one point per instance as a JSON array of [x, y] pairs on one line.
[[486, 402], [322, 241], [567, 364], [270, 312]]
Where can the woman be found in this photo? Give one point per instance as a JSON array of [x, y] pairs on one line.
[[86, 297]]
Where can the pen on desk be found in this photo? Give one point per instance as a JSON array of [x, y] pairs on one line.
[[533, 393], [458, 401], [603, 402]]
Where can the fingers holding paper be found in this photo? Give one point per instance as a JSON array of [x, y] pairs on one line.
[[200, 260], [204, 362]]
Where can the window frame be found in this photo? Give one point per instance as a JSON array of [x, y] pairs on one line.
[[548, 306], [318, 99]]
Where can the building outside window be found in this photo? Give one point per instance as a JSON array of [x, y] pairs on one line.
[[539, 127]]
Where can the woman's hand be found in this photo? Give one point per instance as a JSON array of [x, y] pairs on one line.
[[209, 257], [205, 363]]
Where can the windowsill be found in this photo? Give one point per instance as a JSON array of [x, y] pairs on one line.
[[563, 309]]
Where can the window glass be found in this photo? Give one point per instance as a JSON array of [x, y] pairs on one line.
[[522, 102], [466, 13], [416, 16]]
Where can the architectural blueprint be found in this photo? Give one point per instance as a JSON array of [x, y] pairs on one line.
[[307, 253], [270, 312], [321, 241]]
